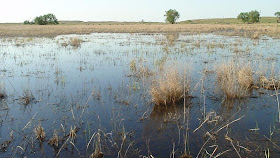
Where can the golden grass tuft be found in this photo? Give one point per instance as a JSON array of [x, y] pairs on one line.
[[75, 42], [169, 88], [54, 140], [40, 134], [270, 83], [234, 81], [255, 35], [96, 155]]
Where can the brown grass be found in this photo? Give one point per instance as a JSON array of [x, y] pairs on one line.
[[270, 83], [168, 89], [234, 80], [27, 97], [54, 140], [75, 42], [39, 132], [54, 30]]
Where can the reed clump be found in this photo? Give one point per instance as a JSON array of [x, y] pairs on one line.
[[40, 133], [270, 83], [169, 88], [54, 140], [75, 42], [234, 80]]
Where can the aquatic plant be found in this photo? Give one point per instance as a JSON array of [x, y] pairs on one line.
[[54, 140], [234, 81], [169, 88], [40, 133], [75, 42]]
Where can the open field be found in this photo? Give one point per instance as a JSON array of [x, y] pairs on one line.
[[245, 30]]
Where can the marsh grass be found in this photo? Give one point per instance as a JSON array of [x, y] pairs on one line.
[[270, 83], [75, 42], [40, 133], [27, 97], [267, 78], [171, 38], [234, 80], [139, 69], [97, 144], [52, 31], [169, 88], [54, 140]]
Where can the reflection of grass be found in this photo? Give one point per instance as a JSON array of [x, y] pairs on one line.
[[168, 89], [234, 81]]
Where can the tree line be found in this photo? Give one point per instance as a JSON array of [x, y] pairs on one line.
[[171, 16], [47, 19]]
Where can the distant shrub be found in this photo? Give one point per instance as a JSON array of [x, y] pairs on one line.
[[48, 19]]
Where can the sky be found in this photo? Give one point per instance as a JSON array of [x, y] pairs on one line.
[[131, 10]]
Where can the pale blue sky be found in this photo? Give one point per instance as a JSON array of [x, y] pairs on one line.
[[131, 10]]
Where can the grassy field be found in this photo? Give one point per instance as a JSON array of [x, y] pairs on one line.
[[220, 26], [264, 20]]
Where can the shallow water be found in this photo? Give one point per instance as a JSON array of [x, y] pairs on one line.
[[93, 88]]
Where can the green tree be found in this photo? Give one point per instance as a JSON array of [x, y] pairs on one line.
[[244, 16], [171, 16], [26, 22], [254, 16], [250, 17], [48, 19], [277, 14], [51, 19]]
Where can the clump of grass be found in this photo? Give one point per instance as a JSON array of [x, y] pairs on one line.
[[255, 35], [172, 37], [75, 42], [27, 97], [39, 132], [132, 65], [185, 156], [54, 140], [97, 152], [72, 133], [234, 81], [169, 88], [270, 83], [139, 70]]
